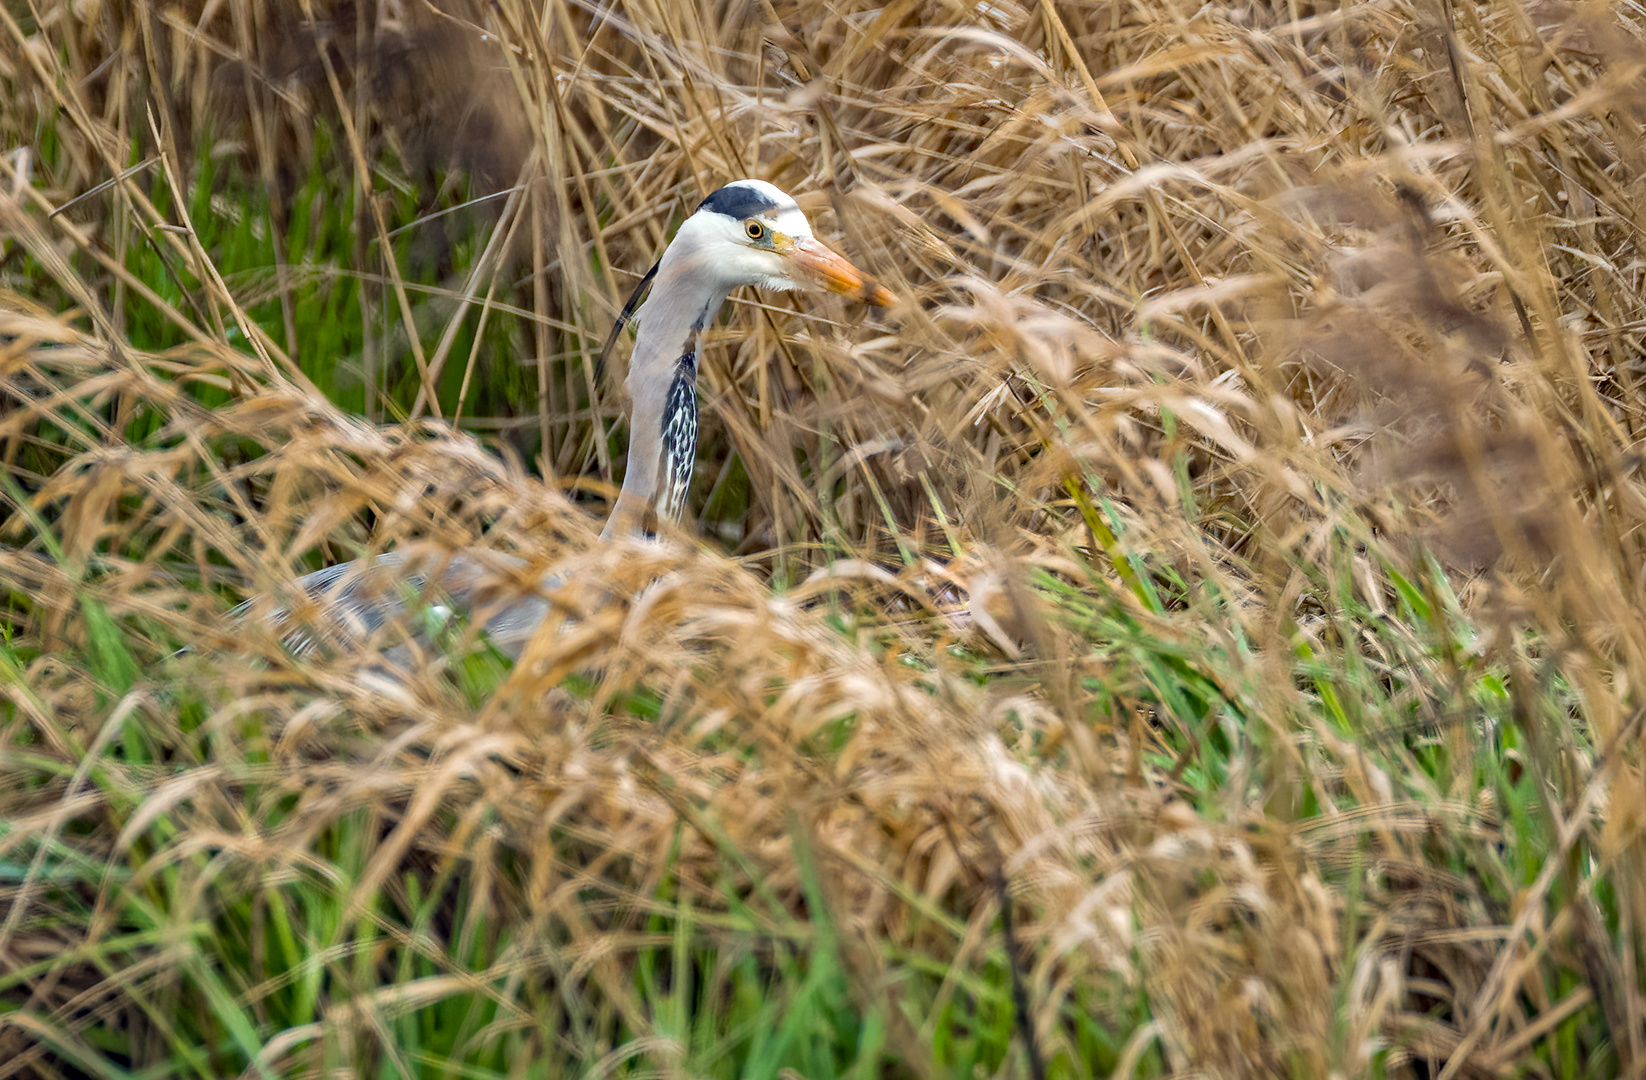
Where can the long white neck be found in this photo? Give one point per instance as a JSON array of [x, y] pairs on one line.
[[686, 295]]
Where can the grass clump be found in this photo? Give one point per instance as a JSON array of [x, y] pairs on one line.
[[1224, 567]]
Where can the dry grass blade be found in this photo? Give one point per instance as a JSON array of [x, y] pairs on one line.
[[1234, 542]]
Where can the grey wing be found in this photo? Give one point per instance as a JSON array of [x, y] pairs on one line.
[[355, 599], [349, 601]]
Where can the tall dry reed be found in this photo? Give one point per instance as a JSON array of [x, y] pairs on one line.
[[1243, 508]]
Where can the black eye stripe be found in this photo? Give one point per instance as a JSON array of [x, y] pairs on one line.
[[738, 201]]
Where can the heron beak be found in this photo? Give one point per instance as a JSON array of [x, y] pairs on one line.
[[818, 264]]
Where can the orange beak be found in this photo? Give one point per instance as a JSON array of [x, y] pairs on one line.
[[817, 263]]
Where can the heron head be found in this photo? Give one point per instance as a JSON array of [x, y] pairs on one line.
[[751, 233]]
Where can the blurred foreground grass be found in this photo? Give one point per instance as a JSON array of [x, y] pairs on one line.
[[1230, 557]]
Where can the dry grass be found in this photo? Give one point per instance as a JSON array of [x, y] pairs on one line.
[[1235, 541]]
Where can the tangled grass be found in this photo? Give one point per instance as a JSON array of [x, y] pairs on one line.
[[1224, 569]]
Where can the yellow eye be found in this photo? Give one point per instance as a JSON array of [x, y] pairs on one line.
[[755, 230]]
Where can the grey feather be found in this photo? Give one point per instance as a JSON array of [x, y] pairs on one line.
[[355, 599], [710, 255]]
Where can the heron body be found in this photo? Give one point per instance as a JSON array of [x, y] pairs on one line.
[[746, 233]]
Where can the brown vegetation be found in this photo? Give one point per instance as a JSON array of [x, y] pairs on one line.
[[1234, 335]]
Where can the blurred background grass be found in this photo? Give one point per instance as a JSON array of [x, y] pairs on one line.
[[1229, 557]]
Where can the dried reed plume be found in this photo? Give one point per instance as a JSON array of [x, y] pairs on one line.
[[1236, 542]]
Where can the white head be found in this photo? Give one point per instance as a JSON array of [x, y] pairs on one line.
[[747, 233], [751, 233]]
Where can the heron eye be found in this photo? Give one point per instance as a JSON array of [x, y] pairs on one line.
[[755, 230]]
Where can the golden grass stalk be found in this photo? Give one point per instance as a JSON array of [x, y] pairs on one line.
[[1237, 540]]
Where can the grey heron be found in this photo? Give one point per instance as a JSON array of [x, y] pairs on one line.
[[746, 233]]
